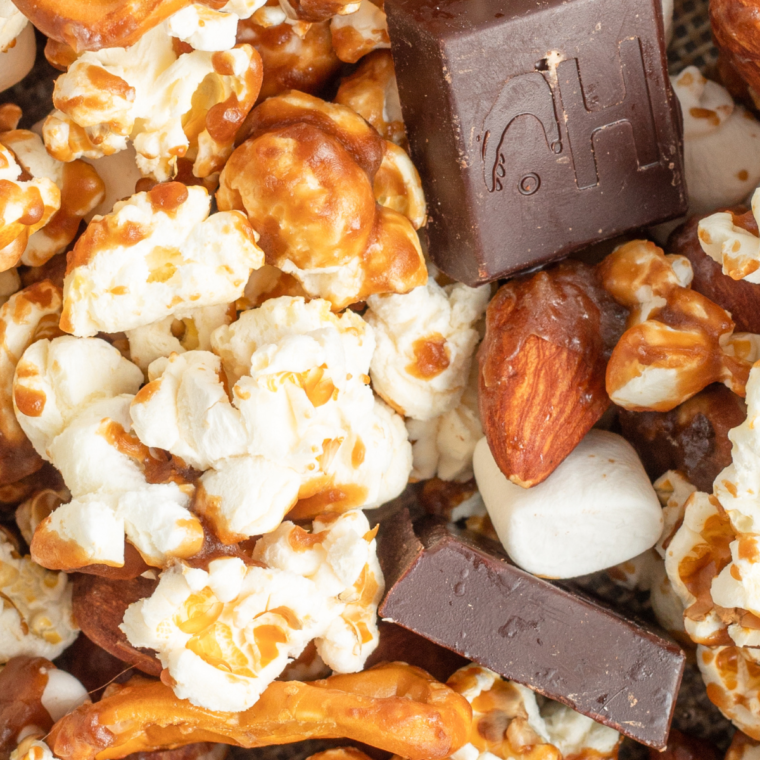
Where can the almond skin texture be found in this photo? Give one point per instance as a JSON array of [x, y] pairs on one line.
[[542, 366], [99, 607], [738, 297]]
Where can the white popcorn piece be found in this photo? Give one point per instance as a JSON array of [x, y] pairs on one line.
[[151, 96], [730, 674], [35, 200], [443, 446], [595, 510], [17, 45], [185, 330], [67, 375], [736, 249], [155, 254], [80, 189], [302, 423], [738, 485], [359, 32], [225, 634], [425, 343], [721, 143], [36, 617], [84, 429], [509, 723], [32, 749]]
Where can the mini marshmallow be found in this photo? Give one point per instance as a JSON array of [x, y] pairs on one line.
[[153, 256], [36, 617], [63, 693], [721, 143], [225, 634], [595, 510], [425, 343], [17, 45]]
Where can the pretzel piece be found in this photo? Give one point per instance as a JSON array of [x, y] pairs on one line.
[[394, 706]]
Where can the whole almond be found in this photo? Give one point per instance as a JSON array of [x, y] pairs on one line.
[[542, 365]]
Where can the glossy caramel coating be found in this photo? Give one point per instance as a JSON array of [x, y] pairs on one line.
[[395, 707]]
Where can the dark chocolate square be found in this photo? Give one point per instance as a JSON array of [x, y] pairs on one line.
[[538, 126]]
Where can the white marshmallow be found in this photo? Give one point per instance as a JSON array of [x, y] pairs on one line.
[[721, 143], [63, 693], [595, 510], [18, 46]]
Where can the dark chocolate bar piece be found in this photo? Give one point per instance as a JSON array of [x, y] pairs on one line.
[[461, 592], [537, 126]]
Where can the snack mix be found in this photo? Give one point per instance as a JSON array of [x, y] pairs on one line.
[[379, 373]]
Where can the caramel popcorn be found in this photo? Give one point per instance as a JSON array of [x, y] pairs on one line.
[[677, 341], [361, 32], [80, 422], [155, 254], [732, 246], [80, 187], [304, 177], [28, 315], [443, 446], [185, 330], [508, 722], [35, 607], [10, 283], [425, 345], [716, 173], [12, 23], [731, 675], [25, 207], [292, 59], [225, 634], [168, 105], [373, 93], [301, 426]]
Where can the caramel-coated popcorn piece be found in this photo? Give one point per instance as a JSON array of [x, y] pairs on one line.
[[168, 104], [359, 33], [81, 190], [155, 254], [304, 176], [29, 315], [677, 341], [25, 207], [35, 607], [81, 423], [373, 93], [226, 633]]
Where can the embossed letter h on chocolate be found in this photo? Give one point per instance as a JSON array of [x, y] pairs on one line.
[[538, 126]]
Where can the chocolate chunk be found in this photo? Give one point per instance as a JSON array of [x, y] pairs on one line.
[[461, 592], [692, 438], [537, 126]]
